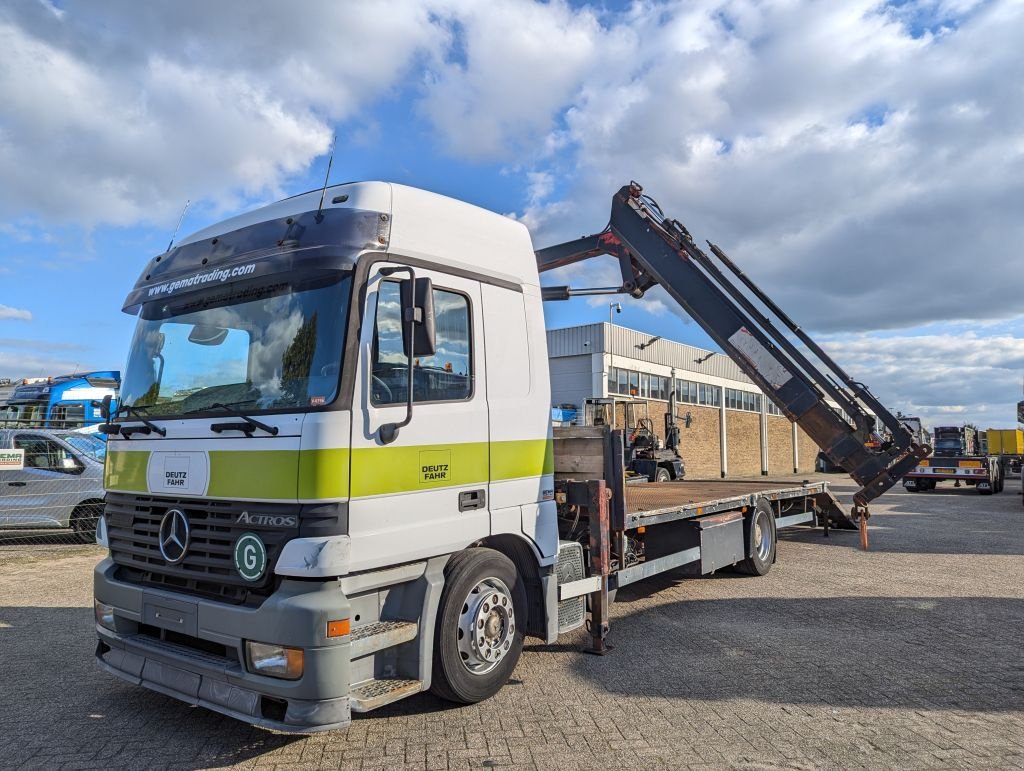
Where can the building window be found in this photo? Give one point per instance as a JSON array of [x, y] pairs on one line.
[[742, 400]]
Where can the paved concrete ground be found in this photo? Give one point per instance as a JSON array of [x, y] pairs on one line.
[[911, 655]]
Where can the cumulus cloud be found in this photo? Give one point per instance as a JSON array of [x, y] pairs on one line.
[[855, 158], [7, 312], [126, 109], [949, 376]]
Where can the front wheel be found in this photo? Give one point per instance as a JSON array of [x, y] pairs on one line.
[[761, 542], [480, 624], [662, 475]]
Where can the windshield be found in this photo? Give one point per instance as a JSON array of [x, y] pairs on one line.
[[256, 348], [87, 444], [947, 444]]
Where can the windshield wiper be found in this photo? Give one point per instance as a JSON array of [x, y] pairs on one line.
[[247, 427], [147, 427]]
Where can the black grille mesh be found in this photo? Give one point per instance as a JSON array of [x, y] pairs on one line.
[[208, 570]]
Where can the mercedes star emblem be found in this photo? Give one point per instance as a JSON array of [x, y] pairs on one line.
[[174, 536]]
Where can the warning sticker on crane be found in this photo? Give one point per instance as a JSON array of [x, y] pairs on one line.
[[760, 358]]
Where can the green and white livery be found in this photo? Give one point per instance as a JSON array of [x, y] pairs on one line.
[[267, 399]]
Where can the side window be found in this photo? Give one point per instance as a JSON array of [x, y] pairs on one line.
[[45, 454], [445, 376], [70, 415]]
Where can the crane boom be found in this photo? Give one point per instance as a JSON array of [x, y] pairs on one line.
[[654, 250]]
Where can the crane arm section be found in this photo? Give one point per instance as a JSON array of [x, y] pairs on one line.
[[653, 250]]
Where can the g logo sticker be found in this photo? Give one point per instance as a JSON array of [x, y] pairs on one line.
[[250, 557]]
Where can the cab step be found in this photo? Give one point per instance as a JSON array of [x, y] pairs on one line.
[[371, 694], [381, 635]]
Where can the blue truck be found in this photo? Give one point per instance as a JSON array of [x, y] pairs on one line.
[[65, 401]]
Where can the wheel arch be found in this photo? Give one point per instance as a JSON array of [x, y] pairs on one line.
[[83, 504]]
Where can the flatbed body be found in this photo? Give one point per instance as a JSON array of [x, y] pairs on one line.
[[666, 501]]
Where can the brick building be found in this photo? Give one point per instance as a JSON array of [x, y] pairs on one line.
[[728, 427]]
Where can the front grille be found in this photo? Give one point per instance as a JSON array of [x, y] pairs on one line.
[[208, 570]]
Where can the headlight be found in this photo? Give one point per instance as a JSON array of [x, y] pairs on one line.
[[274, 660], [104, 615]]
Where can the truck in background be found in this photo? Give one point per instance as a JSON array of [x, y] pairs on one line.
[[64, 402], [1008, 445], [333, 481], [958, 457]]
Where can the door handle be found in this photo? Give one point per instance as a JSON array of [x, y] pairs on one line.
[[16, 484], [472, 500]]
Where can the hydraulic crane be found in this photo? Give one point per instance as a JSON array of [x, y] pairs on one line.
[[654, 250]]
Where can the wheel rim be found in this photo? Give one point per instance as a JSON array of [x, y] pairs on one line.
[[487, 626], [762, 538]]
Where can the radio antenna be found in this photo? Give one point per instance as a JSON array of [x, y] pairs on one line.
[[178, 226], [327, 177]]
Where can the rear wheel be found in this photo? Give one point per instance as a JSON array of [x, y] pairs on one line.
[[761, 543], [480, 625], [83, 522]]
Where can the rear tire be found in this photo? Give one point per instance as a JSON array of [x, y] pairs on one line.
[[83, 522], [480, 625], [760, 542]]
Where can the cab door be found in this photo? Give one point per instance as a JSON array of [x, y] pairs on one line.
[[426, 492]]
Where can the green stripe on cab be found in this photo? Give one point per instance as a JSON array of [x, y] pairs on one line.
[[126, 470]]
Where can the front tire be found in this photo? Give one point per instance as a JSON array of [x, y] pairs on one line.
[[480, 626], [761, 542], [662, 475]]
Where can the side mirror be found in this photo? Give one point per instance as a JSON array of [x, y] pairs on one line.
[[418, 336], [418, 302]]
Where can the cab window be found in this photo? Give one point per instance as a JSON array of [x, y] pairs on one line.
[[445, 376]]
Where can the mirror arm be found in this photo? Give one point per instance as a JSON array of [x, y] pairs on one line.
[[389, 431]]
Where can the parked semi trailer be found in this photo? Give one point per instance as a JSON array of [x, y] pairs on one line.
[[333, 482], [1008, 445], [958, 458]]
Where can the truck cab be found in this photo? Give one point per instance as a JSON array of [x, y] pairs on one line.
[[297, 460]]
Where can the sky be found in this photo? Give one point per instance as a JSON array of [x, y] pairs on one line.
[[862, 161]]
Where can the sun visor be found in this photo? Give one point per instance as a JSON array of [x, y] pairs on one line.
[[331, 239]]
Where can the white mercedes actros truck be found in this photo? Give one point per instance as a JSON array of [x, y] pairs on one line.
[[332, 480]]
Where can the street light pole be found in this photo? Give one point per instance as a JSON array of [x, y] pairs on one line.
[[616, 308]]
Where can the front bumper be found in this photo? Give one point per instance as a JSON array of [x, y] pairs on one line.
[[193, 650]]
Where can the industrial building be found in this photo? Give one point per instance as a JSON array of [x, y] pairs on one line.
[[728, 427]]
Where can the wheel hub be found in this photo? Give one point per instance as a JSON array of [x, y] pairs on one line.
[[486, 626], [762, 539]]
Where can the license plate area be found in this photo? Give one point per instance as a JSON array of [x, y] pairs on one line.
[[172, 615]]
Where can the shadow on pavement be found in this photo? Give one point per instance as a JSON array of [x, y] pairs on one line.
[[919, 652]]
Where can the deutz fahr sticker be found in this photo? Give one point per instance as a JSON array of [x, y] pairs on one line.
[[435, 466]]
